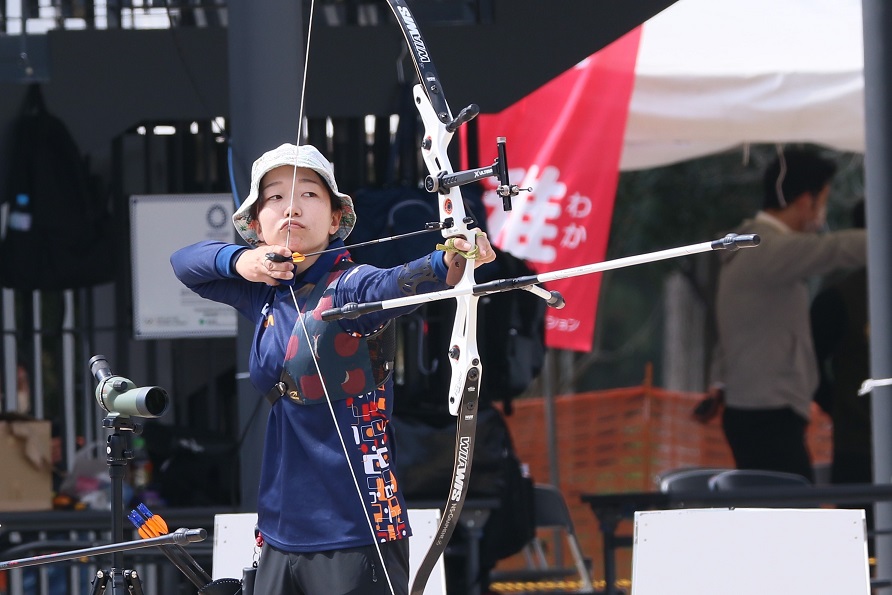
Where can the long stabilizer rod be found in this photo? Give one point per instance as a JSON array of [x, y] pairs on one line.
[[730, 242]]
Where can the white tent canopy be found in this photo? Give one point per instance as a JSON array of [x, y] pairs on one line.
[[712, 75]]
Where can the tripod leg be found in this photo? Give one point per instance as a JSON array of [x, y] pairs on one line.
[[131, 579], [100, 581]]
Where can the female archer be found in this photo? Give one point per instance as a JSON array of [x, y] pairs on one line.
[[328, 436]]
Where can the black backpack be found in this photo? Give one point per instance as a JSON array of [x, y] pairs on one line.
[[57, 231]]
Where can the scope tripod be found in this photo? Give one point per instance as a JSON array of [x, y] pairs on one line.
[[129, 584], [126, 581], [118, 452], [123, 581], [151, 401]]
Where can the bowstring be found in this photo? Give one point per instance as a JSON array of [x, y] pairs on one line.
[[334, 417]]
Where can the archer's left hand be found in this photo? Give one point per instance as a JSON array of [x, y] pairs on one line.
[[459, 247]]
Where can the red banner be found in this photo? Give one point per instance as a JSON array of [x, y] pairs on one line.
[[564, 140]]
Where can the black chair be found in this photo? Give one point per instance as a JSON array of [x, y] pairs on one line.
[[755, 478], [687, 479], [551, 512]]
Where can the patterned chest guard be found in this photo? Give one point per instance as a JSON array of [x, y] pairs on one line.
[[365, 361]]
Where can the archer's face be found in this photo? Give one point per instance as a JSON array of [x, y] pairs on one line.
[[305, 223]]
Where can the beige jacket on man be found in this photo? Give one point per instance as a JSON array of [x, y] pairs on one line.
[[766, 353]]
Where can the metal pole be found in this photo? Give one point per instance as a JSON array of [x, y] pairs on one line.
[[554, 476], [554, 472], [69, 443], [10, 354], [37, 393], [877, 16], [266, 44]]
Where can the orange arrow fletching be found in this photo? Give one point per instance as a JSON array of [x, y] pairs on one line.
[[158, 524]]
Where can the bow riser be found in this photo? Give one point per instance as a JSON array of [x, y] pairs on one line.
[[464, 358], [463, 354], [434, 151]]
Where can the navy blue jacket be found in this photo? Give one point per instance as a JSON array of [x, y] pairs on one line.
[[307, 499]]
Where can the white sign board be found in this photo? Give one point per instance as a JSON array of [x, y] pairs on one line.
[[746, 551], [234, 546], [163, 308]]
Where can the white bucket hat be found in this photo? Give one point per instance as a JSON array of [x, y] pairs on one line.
[[303, 156]]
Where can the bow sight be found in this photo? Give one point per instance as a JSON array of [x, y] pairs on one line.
[[499, 169]]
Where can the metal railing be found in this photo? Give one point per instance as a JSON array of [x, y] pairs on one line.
[[40, 16]]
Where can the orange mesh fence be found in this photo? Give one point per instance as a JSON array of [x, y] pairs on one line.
[[621, 440]]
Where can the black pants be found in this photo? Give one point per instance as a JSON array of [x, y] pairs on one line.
[[772, 439], [355, 571]]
